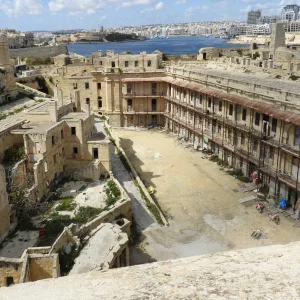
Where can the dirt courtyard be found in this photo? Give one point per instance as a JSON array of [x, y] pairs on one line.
[[201, 200]]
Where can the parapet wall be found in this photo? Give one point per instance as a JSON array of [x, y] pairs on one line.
[[39, 52]]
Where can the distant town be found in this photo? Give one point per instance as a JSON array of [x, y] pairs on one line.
[[256, 25]]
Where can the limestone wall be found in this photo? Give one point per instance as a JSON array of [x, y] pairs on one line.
[[40, 52], [65, 237]]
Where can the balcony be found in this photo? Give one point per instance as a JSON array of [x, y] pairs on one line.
[[143, 95]]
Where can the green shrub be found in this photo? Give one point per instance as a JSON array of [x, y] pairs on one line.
[[67, 204], [294, 77], [14, 154], [86, 214]]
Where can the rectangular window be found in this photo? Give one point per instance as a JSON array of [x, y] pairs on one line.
[[243, 139], [201, 99], [255, 145], [99, 85], [230, 109], [153, 104], [257, 119], [54, 158], [95, 153], [75, 150], [113, 64], [62, 134], [136, 64], [220, 105], [73, 130], [126, 64], [87, 100], [87, 85], [274, 125], [75, 86], [154, 88], [100, 62], [271, 153], [149, 63], [219, 129], [129, 88], [209, 102], [244, 115], [53, 140]]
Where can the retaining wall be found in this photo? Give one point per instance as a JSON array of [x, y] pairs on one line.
[[39, 52]]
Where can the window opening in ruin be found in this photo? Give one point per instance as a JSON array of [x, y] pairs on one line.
[[204, 55], [274, 124], [209, 102], [243, 138], [126, 64], [154, 88], [230, 109], [113, 64], [129, 88], [244, 114], [153, 104], [73, 130], [297, 136], [9, 281], [129, 105], [100, 62], [95, 153], [75, 150], [154, 120], [201, 99], [53, 140], [271, 153], [75, 86], [257, 119], [255, 145], [99, 85], [87, 100], [149, 63], [87, 85], [62, 134], [136, 63], [220, 105], [54, 159], [100, 102]]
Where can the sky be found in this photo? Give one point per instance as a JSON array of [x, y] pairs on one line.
[[29, 15]]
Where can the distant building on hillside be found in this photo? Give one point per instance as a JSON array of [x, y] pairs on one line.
[[253, 17]]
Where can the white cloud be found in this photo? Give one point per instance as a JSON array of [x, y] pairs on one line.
[[180, 2], [158, 6], [136, 2], [21, 7], [192, 10], [75, 7]]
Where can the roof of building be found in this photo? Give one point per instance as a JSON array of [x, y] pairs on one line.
[[42, 128], [284, 85], [100, 250], [269, 272], [75, 116]]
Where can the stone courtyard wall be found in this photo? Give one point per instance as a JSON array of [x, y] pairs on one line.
[[39, 52]]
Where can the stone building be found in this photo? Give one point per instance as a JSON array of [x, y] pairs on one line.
[[8, 88], [7, 218]]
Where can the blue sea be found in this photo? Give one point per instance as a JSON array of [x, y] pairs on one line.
[[175, 45]]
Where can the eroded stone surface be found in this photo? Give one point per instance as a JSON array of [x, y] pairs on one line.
[[259, 273]]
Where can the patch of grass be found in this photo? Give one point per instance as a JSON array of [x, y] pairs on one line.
[[113, 193], [67, 204], [152, 207], [123, 160], [86, 214]]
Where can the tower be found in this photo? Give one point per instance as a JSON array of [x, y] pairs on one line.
[[277, 38], [4, 54]]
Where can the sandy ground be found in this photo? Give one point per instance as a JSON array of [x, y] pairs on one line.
[[201, 200]]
